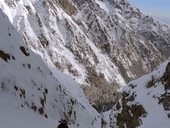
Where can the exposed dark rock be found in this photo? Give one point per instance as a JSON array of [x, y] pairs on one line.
[[44, 41], [130, 115], [68, 6], [4, 56], [24, 51], [41, 111], [164, 99], [151, 83], [166, 77]]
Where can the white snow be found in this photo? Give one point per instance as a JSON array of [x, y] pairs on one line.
[[23, 81], [156, 117], [102, 5]]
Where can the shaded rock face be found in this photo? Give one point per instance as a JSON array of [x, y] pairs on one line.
[[166, 77], [128, 113], [165, 98], [112, 38], [68, 6]]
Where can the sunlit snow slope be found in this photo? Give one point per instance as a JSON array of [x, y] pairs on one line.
[[31, 95], [145, 102]]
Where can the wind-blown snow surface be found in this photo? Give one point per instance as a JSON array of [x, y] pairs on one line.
[[145, 102], [33, 96]]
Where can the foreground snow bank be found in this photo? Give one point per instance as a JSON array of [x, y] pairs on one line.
[[32, 95]]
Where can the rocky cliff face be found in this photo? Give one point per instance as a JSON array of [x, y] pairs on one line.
[[96, 42]]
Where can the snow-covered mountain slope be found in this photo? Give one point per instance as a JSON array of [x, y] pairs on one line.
[[96, 42], [30, 90], [145, 102]]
